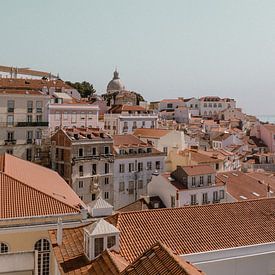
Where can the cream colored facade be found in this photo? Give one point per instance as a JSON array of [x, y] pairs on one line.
[[24, 123]]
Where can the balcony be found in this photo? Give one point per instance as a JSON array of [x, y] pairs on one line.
[[29, 141], [10, 141], [30, 110], [32, 124], [10, 110]]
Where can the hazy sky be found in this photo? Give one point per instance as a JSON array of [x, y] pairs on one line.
[[163, 49]]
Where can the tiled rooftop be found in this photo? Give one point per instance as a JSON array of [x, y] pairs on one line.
[[152, 133]]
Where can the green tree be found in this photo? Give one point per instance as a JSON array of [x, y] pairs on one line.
[[85, 88]]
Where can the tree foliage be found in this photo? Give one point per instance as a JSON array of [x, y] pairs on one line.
[[85, 88]]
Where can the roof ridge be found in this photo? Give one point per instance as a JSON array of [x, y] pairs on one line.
[[41, 192], [191, 206]]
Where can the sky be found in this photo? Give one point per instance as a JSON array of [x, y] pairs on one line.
[[162, 48]]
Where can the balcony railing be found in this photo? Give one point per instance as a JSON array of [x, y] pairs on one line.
[[32, 124], [10, 141]]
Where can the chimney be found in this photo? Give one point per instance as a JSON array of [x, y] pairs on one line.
[[59, 233], [268, 191]]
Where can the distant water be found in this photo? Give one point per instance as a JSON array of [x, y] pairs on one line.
[[265, 118]]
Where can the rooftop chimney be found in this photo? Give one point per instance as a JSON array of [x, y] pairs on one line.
[[59, 232]]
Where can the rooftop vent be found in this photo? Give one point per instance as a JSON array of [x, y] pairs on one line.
[[255, 194], [234, 174], [243, 197]]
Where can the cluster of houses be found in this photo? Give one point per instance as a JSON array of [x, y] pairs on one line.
[[114, 182]]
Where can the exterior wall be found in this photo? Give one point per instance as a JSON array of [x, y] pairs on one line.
[[170, 105], [182, 115], [126, 195], [268, 137], [214, 108], [29, 129], [73, 115], [127, 123], [194, 106], [66, 161], [232, 113], [159, 186], [252, 260]]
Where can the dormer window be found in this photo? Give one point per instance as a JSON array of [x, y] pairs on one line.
[[100, 236]]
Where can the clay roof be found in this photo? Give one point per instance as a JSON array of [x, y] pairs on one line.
[[20, 92], [222, 137], [200, 157], [194, 170], [133, 108], [159, 259], [128, 140], [242, 186], [33, 84], [151, 133], [42, 191], [198, 228], [172, 100]]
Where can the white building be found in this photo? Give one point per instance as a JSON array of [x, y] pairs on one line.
[[182, 115], [24, 122], [188, 185], [64, 111], [125, 119], [193, 104], [212, 106], [170, 104], [135, 162]]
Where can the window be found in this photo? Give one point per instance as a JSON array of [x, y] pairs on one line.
[[93, 197], [90, 115], [157, 165], [38, 134], [210, 105], [73, 117], [209, 179], [169, 105], [217, 166], [39, 118], [80, 152], [215, 196], [106, 195], [149, 165], [10, 136], [193, 182], [81, 197], [140, 166], [4, 248], [29, 106], [80, 184], [106, 168], [121, 186], [98, 246], [39, 106], [80, 169], [94, 151], [29, 118], [106, 181], [173, 201], [131, 167], [29, 137], [205, 105], [204, 198], [10, 120], [165, 150], [10, 106], [111, 241], [143, 124], [9, 151], [131, 187], [121, 168], [220, 105], [140, 184], [82, 116], [134, 125], [94, 169], [201, 180], [43, 248], [65, 115], [221, 194], [193, 199], [106, 150], [29, 154]]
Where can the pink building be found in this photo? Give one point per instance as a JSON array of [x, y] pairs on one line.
[[65, 111], [266, 133]]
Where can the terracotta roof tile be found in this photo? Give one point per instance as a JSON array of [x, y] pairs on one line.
[[194, 170], [151, 133]]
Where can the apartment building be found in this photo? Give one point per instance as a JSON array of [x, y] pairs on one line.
[[135, 162], [124, 119], [213, 106], [188, 185], [24, 124], [83, 157], [65, 111]]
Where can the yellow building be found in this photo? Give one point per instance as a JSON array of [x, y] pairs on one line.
[[32, 200]]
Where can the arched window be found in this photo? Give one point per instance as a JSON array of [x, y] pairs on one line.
[[43, 248], [4, 248]]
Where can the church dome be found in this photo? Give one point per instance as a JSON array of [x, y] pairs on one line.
[[115, 84]]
